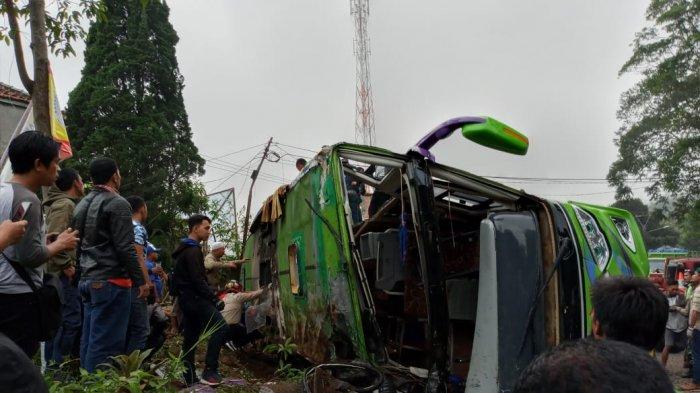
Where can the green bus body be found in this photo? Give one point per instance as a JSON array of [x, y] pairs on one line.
[[322, 298]]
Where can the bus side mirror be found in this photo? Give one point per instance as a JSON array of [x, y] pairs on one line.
[[496, 135]]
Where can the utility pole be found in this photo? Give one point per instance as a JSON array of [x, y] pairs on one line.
[[254, 177]]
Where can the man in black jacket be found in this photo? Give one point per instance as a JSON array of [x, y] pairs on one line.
[[108, 266], [198, 303]]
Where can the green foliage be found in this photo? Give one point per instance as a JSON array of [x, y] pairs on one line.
[[124, 365], [64, 22], [127, 373], [690, 228], [660, 134], [225, 223], [126, 376], [283, 351], [129, 106], [657, 228]]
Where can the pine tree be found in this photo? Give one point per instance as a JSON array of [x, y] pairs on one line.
[[129, 106], [660, 134]]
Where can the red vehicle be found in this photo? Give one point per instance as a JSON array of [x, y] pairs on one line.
[[674, 269]]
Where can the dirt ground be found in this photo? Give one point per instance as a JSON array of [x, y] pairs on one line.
[[244, 371], [676, 370], [252, 371]]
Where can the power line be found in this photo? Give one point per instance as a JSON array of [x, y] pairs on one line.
[[563, 179], [265, 176], [589, 193], [224, 181], [231, 167], [237, 151], [296, 147]]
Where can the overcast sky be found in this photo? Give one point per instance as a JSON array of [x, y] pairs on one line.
[[285, 69]]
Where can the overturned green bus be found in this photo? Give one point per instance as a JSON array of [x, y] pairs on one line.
[[410, 265]]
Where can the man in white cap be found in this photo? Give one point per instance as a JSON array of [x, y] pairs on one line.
[[214, 265]]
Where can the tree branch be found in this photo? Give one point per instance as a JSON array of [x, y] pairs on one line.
[[17, 43]]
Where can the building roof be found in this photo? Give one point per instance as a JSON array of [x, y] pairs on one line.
[[8, 92]]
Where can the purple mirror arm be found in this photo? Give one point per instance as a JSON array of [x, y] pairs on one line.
[[441, 132]]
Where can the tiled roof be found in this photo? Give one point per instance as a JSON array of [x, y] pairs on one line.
[[10, 93]]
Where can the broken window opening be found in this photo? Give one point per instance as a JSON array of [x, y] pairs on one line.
[[294, 273], [389, 251], [265, 273]]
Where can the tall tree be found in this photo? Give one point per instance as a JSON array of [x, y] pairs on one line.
[[129, 106], [660, 134], [690, 229], [57, 30], [657, 229]]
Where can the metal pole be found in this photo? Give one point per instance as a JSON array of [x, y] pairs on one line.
[[254, 176]]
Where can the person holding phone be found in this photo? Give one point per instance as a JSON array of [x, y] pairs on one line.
[[34, 160], [11, 232]]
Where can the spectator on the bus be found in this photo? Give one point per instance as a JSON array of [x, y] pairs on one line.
[[629, 309], [594, 366], [34, 160], [300, 164]]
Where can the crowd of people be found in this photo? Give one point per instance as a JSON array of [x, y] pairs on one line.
[[78, 273], [629, 316]]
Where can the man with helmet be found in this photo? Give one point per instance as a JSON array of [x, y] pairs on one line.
[[234, 300]]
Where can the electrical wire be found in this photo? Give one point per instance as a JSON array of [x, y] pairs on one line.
[[296, 147], [589, 193], [238, 151]]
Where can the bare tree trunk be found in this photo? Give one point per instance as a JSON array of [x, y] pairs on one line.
[[40, 51], [17, 43]]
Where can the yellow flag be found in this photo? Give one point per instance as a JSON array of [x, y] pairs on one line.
[[58, 127]]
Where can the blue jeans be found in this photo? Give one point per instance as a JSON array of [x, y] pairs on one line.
[[105, 320], [63, 343], [696, 356], [137, 332]]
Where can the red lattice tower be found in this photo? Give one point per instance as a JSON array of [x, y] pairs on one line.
[[364, 107]]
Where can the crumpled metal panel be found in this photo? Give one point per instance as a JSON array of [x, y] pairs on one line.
[[326, 311]]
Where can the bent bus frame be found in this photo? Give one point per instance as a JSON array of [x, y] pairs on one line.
[[395, 259]]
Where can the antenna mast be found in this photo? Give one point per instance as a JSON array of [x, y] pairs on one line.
[[364, 107]]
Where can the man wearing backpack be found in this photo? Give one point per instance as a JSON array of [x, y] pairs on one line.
[[108, 264], [34, 159]]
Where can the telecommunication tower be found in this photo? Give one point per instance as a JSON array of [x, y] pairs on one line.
[[364, 108]]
